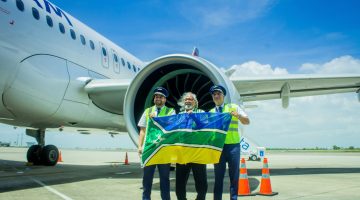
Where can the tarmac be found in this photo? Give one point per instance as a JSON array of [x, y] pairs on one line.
[[88, 174]]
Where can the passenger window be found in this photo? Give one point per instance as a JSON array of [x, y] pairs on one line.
[[82, 38], [61, 28], [134, 68], [116, 58], [128, 64], [104, 52], [35, 13], [92, 45], [72, 33], [123, 62], [20, 5], [49, 21]]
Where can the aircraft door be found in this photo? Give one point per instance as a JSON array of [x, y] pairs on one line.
[[104, 56], [115, 61]]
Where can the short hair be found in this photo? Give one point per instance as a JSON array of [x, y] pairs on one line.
[[181, 102]]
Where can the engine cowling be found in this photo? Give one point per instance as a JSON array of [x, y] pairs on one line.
[[178, 73]]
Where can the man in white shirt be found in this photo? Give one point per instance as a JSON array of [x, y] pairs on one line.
[[159, 109], [231, 150]]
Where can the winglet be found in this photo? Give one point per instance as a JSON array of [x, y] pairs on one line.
[[195, 52]]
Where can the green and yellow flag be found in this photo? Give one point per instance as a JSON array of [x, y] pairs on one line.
[[185, 138]]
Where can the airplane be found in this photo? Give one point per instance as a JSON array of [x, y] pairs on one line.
[[56, 73]]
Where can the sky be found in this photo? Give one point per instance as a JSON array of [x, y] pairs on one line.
[[255, 37]]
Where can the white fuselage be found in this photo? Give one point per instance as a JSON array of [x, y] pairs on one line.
[[43, 71]]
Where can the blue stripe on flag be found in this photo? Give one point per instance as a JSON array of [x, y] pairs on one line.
[[195, 121]]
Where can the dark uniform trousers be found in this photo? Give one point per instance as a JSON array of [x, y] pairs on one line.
[[200, 177]]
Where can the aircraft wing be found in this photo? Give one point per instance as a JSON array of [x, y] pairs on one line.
[[284, 87], [108, 94]]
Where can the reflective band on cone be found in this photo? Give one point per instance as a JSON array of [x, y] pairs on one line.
[[265, 186], [244, 186]]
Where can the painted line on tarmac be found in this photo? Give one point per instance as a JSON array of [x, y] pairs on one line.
[[52, 189], [123, 173]]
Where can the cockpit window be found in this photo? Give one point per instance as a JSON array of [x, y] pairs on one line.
[[20, 5]]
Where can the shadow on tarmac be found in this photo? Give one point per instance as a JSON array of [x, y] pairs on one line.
[[16, 175]]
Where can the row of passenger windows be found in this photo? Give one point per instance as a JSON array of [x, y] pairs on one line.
[[49, 21]]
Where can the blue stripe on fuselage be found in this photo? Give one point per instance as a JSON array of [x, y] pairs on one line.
[[50, 7]]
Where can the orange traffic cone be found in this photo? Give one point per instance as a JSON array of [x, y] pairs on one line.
[[60, 157], [265, 186], [244, 187], [126, 159]]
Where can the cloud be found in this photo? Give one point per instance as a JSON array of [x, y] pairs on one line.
[[253, 68], [312, 121], [340, 65], [218, 13]]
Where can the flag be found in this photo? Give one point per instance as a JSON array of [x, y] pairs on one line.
[[185, 138]]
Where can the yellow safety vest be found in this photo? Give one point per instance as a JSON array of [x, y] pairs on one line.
[[232, 135], [163, 112]]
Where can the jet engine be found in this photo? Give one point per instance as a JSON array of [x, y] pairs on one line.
[[178, 73]]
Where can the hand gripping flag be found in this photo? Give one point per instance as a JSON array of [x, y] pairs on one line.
[[185, 138]]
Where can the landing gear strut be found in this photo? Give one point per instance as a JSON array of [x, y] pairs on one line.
[[40, 154]]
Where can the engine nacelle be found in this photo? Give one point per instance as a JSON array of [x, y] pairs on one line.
[[178, 73]]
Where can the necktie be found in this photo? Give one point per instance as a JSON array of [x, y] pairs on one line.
[[158, 111], [220, 109]]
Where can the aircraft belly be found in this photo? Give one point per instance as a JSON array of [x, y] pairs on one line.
[[38, 88]]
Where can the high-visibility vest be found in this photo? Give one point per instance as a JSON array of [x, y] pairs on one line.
[[163, 112], [232, 135]]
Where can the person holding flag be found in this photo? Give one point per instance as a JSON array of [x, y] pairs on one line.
[[159, 109], [189, 104], [231, 149]]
